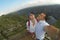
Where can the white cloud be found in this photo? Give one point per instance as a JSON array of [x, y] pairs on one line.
[[29, 4], [55, 1]]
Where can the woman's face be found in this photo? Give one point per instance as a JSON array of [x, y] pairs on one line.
[[32, 16]]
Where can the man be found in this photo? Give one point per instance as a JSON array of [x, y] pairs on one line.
[[41, 26], [31, 24]]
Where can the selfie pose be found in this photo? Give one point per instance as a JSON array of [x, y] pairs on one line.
[[40, 27]]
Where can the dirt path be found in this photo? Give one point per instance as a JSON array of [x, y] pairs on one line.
[[26, 38], [21, 36]]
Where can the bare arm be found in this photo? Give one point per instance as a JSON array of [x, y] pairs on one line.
[[46, 28]]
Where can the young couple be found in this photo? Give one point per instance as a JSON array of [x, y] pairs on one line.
[[37, 25]]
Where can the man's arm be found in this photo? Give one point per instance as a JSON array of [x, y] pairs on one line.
[[52, 31], [46, 28]]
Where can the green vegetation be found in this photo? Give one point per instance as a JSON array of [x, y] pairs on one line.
[[13, 24], [57, 24]]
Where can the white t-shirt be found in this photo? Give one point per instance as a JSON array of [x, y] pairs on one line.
[[39, 29], [31, 28]]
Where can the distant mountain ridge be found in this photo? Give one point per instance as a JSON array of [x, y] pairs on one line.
[[15, 22], [52, 10]]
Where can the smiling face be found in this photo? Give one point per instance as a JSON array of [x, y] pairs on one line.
[[31, 16], [41, 16]]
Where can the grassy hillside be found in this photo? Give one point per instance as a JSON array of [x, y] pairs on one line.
[[14, 23], [57, 24]]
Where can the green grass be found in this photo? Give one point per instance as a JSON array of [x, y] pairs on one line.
[[57, 24], [18, 21], [7, 22]]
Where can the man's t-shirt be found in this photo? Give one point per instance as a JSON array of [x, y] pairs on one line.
[[39, 29]]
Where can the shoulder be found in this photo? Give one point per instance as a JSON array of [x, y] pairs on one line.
[[28, 21], [46, 24]]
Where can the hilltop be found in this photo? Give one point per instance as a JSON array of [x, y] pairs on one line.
[[15, 22]]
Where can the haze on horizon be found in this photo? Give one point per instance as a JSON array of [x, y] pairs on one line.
[[7, 6]]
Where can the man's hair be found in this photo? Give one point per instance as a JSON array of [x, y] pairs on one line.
[[31, 12], [43, 13]]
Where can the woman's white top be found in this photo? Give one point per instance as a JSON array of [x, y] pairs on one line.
[[31, 28]]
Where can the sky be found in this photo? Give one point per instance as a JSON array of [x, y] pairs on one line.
[[7, 6]]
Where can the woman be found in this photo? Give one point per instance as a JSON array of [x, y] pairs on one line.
[[31, 24]]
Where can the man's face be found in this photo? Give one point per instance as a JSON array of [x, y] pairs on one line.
[[41, 16], [32, 16]]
